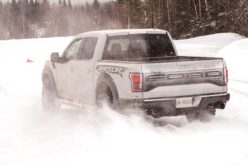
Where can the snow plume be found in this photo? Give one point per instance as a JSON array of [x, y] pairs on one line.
[[30, 135]]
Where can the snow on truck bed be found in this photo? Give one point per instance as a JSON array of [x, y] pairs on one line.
[[30, 136]]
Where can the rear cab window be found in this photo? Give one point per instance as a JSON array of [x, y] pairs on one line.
[[138, 46]]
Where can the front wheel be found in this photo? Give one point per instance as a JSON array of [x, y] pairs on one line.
[[49, 98]]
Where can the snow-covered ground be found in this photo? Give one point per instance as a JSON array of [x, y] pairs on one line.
[[29, 136], [206, 45]]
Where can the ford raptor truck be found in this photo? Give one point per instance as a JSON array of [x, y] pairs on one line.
[[136, 68]]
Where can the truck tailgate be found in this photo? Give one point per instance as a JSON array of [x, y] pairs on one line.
[[183, 78]]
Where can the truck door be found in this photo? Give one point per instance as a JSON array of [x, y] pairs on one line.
[[85, 72], [65, 71]]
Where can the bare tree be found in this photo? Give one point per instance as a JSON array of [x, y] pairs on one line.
[[196, 12]]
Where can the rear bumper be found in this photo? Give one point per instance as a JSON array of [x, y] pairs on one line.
[[167, 106]]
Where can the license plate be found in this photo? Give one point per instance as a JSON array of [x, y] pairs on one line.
[[184, 102]]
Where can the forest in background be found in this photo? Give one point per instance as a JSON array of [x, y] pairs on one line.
[[183, 18]]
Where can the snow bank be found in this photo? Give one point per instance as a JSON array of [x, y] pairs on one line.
[[232, 47], [205, 45], [17, 75], [236, 57], [18, 51]]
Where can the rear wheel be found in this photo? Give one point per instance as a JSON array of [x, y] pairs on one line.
[[49, 96], [105, 96], [205, 115]]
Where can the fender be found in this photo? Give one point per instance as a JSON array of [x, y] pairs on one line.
[[107, 79]]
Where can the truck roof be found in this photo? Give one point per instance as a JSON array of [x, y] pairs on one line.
[[122, 32]]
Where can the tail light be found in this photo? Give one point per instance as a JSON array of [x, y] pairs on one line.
[[226, 76], [136, 82]]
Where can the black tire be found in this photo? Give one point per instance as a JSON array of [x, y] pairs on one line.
[[203, 115], [106, 96], [49, 96]]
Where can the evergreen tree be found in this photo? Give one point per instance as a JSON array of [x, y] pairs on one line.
[[15, 23], [69, 4], [2, 26], [183, 18], [64, 3], [96, 5], [96, 13], [135, 14]]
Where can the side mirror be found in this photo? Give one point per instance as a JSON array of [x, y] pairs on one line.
[[55, 57]]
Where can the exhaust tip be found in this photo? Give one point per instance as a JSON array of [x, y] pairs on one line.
[[220, 105]]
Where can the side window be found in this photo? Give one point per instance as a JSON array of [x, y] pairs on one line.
[[89, 47], [72, 52]]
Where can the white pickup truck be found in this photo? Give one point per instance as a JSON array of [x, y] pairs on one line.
[[135, 68]]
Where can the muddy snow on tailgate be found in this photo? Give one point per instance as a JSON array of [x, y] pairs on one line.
[[30, 136]]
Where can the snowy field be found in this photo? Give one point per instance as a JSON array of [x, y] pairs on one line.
[[30, 136]]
